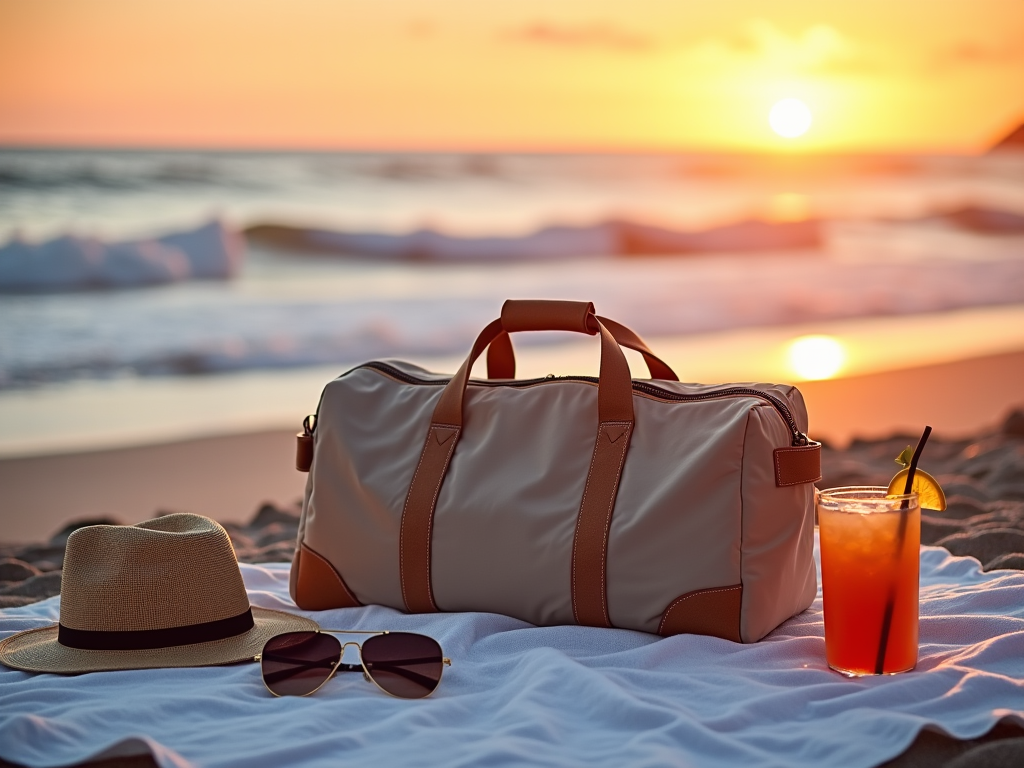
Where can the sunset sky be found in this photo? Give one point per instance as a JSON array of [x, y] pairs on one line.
[[878, 75]]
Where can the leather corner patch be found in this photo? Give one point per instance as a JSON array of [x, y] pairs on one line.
[[714, 611], [318, 586], [798, 464]]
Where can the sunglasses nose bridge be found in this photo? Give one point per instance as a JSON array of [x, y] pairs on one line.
[[358, 647]]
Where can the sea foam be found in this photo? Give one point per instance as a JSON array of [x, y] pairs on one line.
[[73, 262]]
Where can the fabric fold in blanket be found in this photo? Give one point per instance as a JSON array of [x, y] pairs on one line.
[[553, 696]]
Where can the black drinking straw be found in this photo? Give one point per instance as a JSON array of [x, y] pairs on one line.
[[901, 534]]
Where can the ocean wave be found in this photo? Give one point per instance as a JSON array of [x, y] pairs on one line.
[[212, 251], [615, 237], [106, 171], [202, 340], [609, 238], [132, 170], [122, 171], [344, 316], [216, 250], [982, 221]]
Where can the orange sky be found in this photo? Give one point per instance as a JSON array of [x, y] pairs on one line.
[[920, 75]]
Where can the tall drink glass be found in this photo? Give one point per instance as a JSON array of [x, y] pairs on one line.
[[870, 571]]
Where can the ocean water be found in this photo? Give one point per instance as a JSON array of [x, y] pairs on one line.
[[892, 235]]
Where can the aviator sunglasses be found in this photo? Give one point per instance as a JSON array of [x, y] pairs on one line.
[[402, 664]]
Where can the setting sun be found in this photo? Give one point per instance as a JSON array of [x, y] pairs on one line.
[[790, 118], [816, 357]]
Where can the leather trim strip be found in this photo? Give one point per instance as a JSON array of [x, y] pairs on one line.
[[318, 585], [590, 544], [714, 611], [303, 452], [142, 639], [798, 464], [418, 517]]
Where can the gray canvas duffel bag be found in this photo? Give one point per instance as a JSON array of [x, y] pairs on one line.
[[610, 502]]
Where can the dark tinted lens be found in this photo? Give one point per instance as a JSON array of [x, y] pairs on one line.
[[297, 663], [404, 664]]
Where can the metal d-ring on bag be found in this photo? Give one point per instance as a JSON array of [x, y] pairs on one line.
[[611, 502]]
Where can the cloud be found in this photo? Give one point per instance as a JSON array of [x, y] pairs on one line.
[[421, 28], [597, 35], [818, 49], [971, 53]]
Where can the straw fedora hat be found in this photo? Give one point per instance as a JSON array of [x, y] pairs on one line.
[[163, 593]]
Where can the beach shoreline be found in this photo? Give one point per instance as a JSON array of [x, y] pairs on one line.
[[229, 475], [228, 478], [92, 414]]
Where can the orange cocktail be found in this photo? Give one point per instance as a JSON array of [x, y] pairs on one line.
[[869, 579]]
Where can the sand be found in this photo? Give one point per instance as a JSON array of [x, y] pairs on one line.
[[957, 398], [225, 478], [977, 453]]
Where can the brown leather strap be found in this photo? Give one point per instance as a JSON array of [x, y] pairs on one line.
[[418, 517], [501, 358], [798, 464], [615, 419], [657, 367], [590, 544]]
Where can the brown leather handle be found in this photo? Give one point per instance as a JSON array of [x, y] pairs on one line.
[[541, 315], [615, 390], [501, 357]]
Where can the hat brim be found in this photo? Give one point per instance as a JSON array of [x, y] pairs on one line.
[[37, 650]]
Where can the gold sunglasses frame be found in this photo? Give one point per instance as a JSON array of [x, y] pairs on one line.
[[445, 662]]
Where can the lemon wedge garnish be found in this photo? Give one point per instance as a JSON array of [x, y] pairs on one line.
[[927, 488]]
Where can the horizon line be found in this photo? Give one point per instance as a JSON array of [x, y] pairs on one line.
[[781, 152]]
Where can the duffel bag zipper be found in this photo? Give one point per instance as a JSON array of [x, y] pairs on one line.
[[799, 438]]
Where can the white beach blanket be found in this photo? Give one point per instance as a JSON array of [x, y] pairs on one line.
[[552, 696]]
